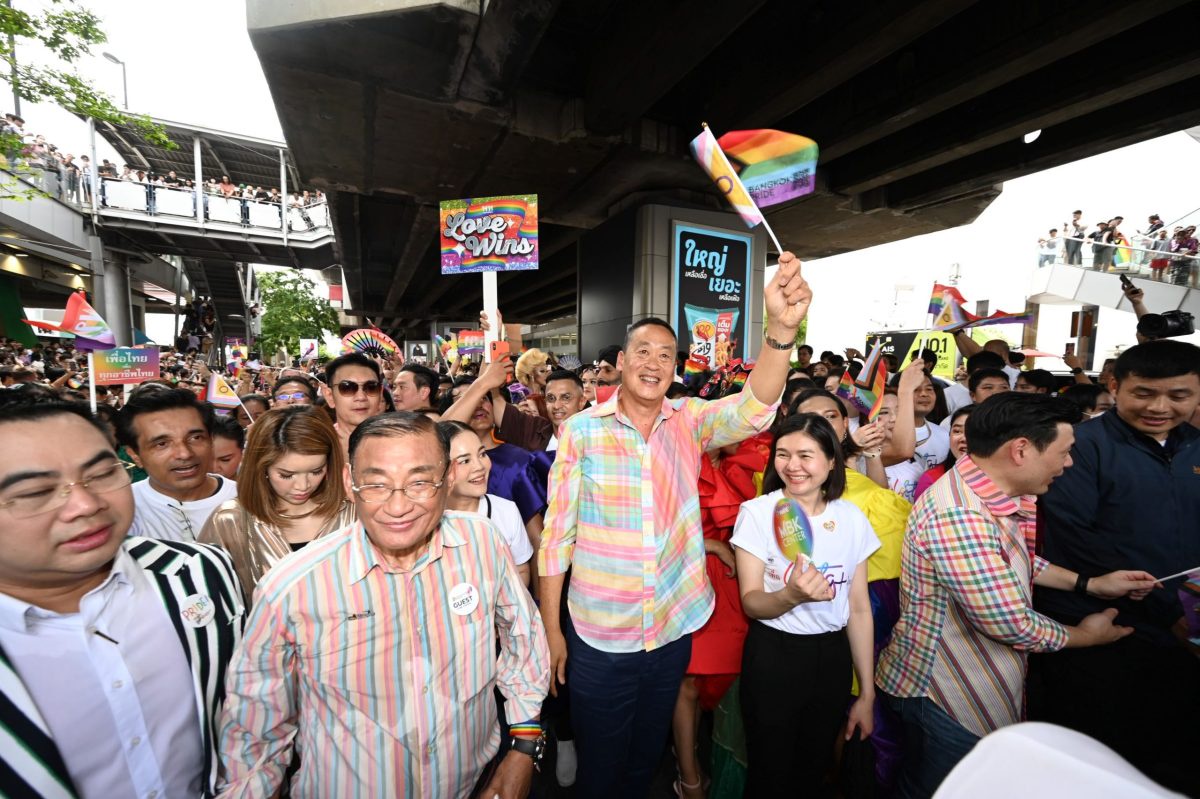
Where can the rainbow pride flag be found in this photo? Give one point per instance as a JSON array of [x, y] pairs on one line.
[[776, 166], [954, 317], [867, 392], [707, 151], [1123, 255], [937, 300], [81, 320]]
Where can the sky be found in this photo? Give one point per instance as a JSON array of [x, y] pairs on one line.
[[191, 61]]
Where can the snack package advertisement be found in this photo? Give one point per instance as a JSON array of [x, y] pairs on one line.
[[489, 234], [710, 282]]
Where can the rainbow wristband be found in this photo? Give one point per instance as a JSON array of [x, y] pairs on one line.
[[526, 729]]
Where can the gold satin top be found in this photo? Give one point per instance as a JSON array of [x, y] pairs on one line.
[[255, 546]]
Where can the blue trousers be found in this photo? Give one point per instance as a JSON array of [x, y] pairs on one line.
[[621, 709], [933, 745]]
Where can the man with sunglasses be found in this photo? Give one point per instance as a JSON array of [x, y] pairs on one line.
[[373, 651], [112, 648], [354, 389]]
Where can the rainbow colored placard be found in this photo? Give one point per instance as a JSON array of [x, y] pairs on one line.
[[125, 365], [489, 234], [793, 532], [470, 342]]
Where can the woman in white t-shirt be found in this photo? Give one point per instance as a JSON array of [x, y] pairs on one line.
[[812, 617], [469, 469]]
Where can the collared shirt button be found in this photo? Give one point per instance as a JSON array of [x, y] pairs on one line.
[[152, 795], [118, 684], [135, 740]]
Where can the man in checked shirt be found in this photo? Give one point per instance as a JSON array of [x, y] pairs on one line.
[[955, 668], [624, 515]]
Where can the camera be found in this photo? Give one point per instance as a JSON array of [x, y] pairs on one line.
[[1166, 325]]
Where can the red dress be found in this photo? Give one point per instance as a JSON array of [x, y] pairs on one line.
[[717, 646]]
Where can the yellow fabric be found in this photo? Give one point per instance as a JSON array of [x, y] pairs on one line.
[[887, 512]]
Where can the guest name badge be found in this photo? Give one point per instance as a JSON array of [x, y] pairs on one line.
[[197, 610], [463, 599]]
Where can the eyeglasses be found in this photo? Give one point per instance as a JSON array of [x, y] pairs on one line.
[[417, 491], [304, 395], [39, 497], [348, 388]]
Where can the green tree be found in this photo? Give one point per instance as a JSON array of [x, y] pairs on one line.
[[291, 312], [65, 32]]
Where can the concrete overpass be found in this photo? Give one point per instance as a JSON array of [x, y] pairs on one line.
[[919, 108]]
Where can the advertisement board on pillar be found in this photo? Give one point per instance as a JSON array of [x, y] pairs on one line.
[[710, 283]]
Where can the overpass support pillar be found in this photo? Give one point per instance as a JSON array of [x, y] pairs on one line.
[[112, 298]]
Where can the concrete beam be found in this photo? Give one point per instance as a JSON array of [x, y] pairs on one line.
[[507, 37], [418, 242], [1170, 109], [638, 65], [870, 36], [1037, 102], [1075, 30]]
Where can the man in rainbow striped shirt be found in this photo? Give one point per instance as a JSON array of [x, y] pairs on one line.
[[624, 515], [372, 651]]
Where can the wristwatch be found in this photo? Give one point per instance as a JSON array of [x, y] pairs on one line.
[[1078, 370], [534, 747]]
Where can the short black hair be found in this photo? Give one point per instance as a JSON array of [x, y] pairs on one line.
[[649, 321], [1011, 415], [1155, 360], [609, 354], [32, 406], [259, 398], [350, 359], [805, 347], [227, 427], [928, 356], [164, 399], [1085, 395], [397, 424], [979, 375], [565, 374], [985, 359], [300, 380], [821, 431], [424, 377], [447, 399], [834, 360], [1040, 378]]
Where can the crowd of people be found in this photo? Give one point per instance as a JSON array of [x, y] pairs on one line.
[[1162, 253], [378, 578], [62, 175]]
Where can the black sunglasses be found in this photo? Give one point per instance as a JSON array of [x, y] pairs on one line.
[[348, 388]]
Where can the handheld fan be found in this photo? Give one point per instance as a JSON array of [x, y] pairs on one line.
[[369, 342], [793, 532]]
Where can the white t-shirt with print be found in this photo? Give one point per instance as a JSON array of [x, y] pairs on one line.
[[933, 445], [842, 539], [507, 518]]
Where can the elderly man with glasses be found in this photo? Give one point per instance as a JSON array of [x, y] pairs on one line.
[[354, 389], [372, 652]]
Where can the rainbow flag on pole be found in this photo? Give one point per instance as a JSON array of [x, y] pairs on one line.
[[707, 151], [776, 166], [867, 392], [81, 320], [937, 300], [220, 393]]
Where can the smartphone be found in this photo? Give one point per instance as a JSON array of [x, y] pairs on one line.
[[1070, 348], [1125, 281], [499, 349]]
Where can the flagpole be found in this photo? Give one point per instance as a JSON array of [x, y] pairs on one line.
[[491, 304], [766, 225], [92, 380]]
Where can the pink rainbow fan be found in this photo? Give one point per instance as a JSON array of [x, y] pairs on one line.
[[369, 342]]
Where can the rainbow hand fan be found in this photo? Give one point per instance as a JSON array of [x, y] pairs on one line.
[[369, 342], [793, 533]]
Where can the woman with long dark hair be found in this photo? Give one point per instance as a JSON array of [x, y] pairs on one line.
[[811, 615]]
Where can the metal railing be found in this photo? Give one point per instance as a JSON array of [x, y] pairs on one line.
[[1140, 257], [166, 201]]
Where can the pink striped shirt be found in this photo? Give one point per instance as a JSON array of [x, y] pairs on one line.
[[382, 680], [625, 515]]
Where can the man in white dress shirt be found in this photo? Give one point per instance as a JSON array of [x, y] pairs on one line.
[[168, 432], [112, 649]]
